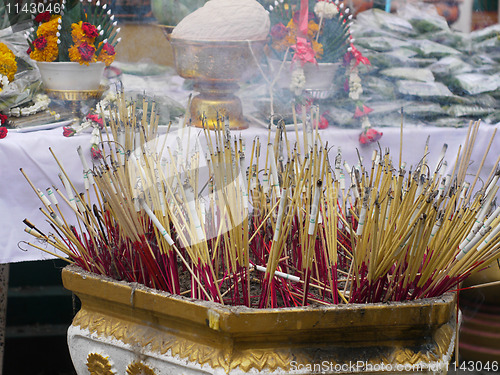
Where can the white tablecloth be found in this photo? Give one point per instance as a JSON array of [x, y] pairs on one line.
[[30, 151]]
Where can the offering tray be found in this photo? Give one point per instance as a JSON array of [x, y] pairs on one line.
[[216, 67]]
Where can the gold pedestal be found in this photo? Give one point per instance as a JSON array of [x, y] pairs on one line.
[[217, 101], [216, 67], [77, 100]]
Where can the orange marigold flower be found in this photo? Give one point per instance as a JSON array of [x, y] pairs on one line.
[[78, 34], [82, 53], [107, 54], [49, 27]]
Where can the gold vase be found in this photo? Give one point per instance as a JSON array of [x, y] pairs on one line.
[[126, 325], [216, 67]]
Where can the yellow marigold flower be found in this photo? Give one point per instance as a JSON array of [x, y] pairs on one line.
[[312, 29], [281, 45], [78, 34], [49, 27], [317, 48], [47, 51], [8, 65]]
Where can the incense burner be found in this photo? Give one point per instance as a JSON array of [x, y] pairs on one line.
[[126, 328], [216, 67]]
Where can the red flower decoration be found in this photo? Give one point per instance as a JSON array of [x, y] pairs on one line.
[[86, 51], [68, 131], [367, 109], [279, 31], [95, 152], [89, 30], [369, 135], [29, 50], [323, 122], [95, 118], [357, 55], [363, 111], [3, 119], [109, 49], [3, 132], [358, 112], [303, 52], [40, 43], [43, 17]]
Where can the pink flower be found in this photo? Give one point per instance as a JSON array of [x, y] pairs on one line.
[[369, 135], [68, 131], [95, 152], [3, 132], [279, 31], [95, 118], [303, 51]]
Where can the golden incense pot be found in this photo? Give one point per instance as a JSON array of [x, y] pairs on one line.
[[216, 67], [123, 324]]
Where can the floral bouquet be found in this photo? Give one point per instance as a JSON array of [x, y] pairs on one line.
[[315, 32], [320, 33], [76, 31]]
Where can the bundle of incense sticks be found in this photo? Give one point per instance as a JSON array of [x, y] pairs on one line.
[[183, 213]]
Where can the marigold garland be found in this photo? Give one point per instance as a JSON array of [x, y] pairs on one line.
[[8, 64]]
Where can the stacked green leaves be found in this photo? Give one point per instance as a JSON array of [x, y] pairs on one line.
[[438, 76]]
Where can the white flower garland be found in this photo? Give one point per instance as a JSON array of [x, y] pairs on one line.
[[365, 123], [105, 102], [325, 9], [40, 103], [355, 87], [298, 81], [4, 82]]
